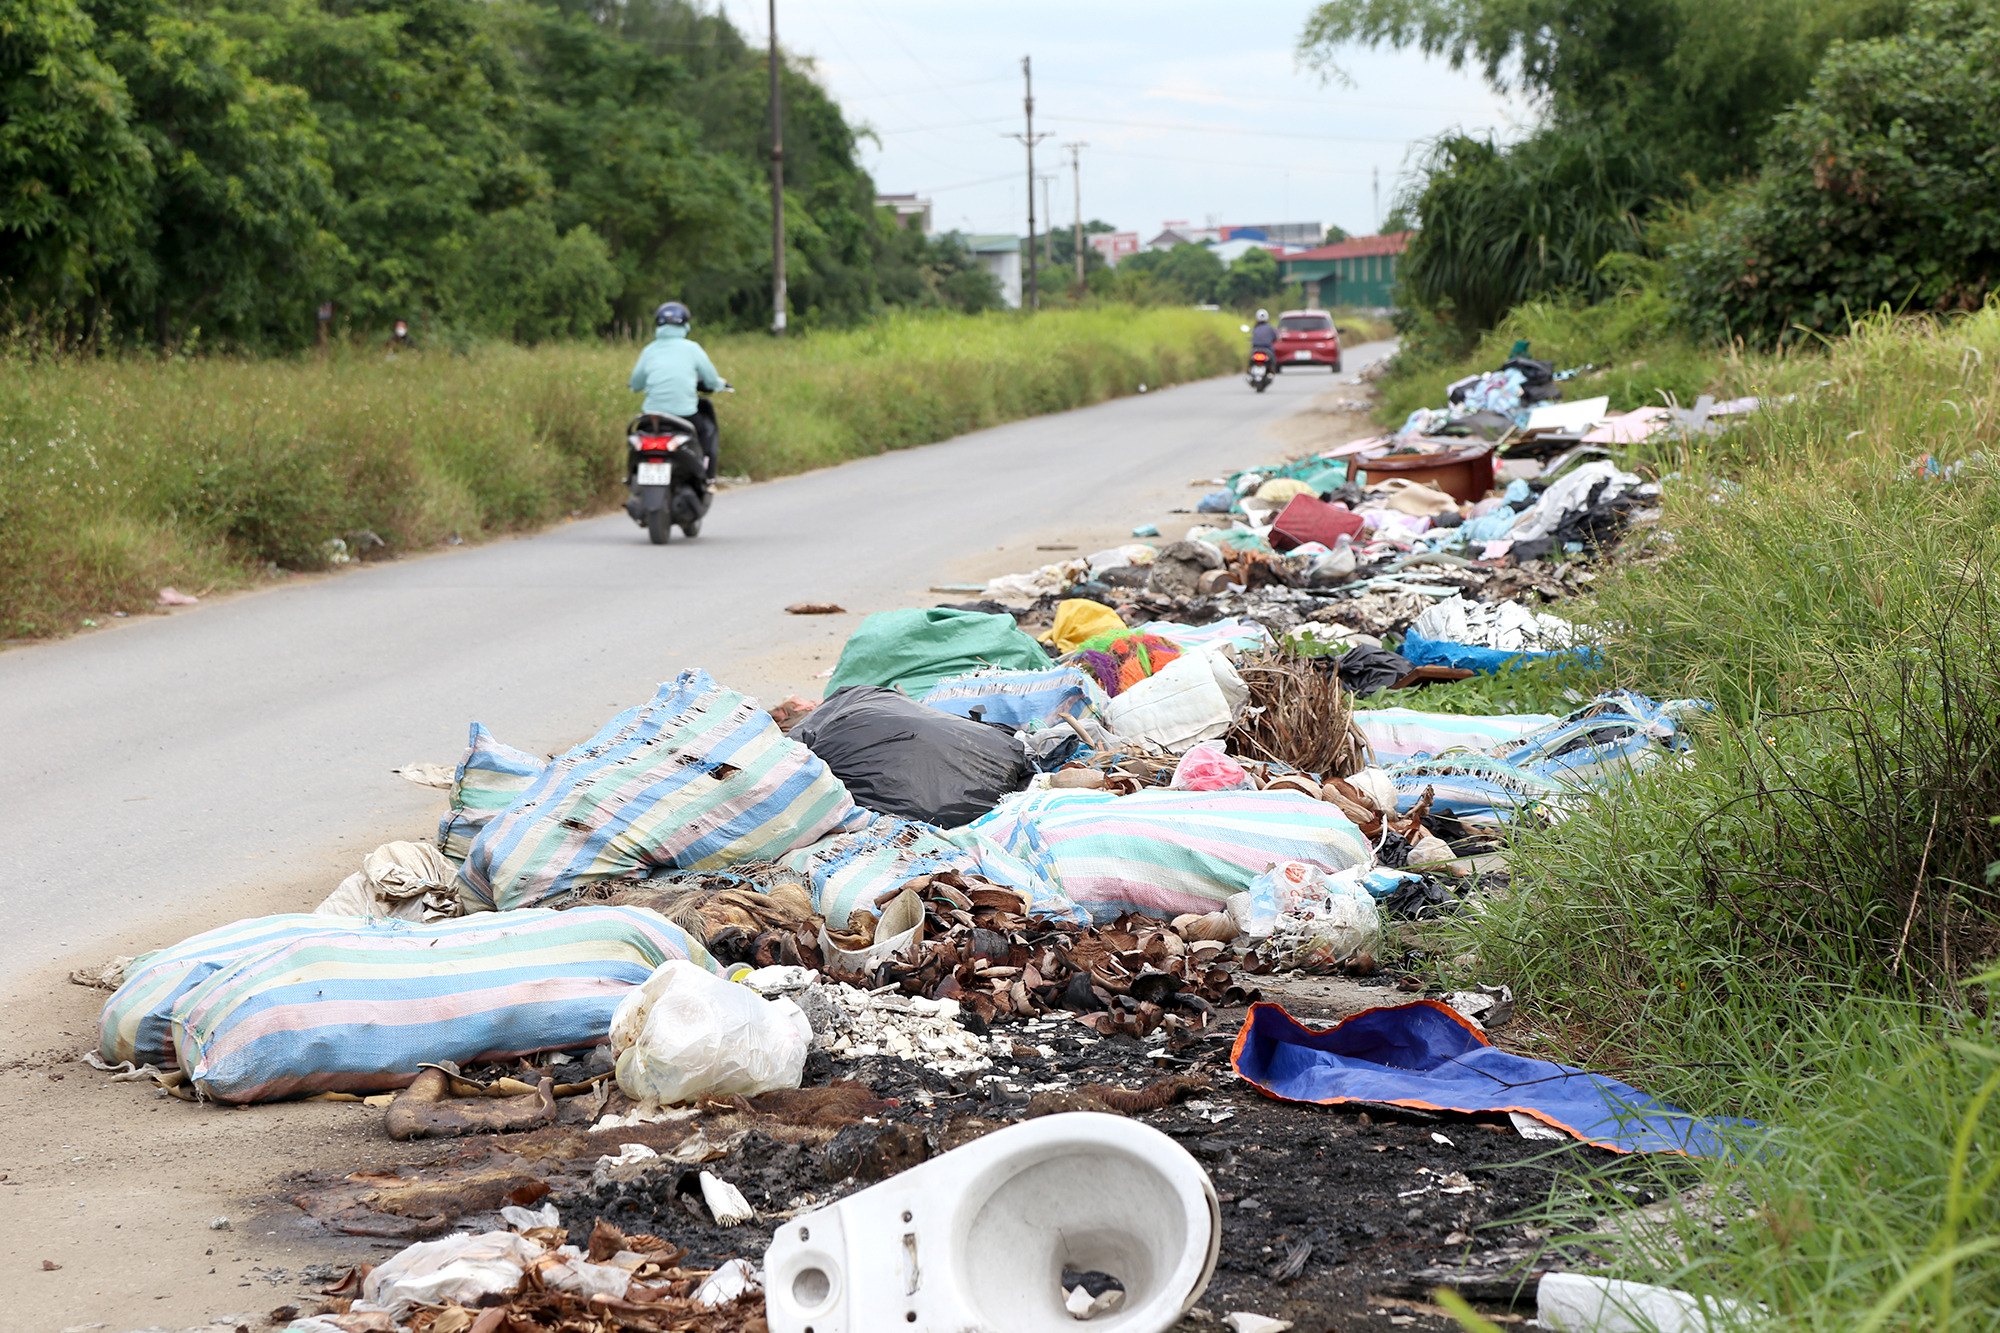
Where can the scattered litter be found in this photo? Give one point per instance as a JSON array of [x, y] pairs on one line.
[[175, 597], [1580, 1303], [815, 609], [425, 775]]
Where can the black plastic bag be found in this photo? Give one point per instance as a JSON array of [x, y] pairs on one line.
[[1364, 670], [900, 758]]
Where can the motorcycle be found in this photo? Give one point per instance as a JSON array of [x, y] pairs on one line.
[[1262, 366], [667, 473]]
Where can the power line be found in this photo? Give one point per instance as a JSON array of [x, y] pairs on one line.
[[1169, 94], [1218, 129]]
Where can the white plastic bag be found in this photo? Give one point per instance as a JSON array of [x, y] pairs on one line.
[[459, 1269], [1287, 888], [686, 1032], [1195, 697]]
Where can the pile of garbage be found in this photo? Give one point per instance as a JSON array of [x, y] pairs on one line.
[[1089, 808]]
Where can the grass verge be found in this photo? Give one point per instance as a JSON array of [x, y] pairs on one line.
[[118, 476], [1800, 925]]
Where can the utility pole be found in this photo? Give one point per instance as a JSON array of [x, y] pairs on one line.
[[1378, 200], [1076, 182], [1048, 222], [777, 190], [1031, 299]]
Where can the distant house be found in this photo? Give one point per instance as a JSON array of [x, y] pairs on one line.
[[911, 211], [1357, 272], [1114, 245], [1000, 255], [1289, 234], [1168, 239]]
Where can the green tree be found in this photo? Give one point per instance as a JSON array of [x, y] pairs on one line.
[[1638, 98], [1703, 77], [72, 172], [234, 239], [1883, 188], [1251, 279], [1189, 272]]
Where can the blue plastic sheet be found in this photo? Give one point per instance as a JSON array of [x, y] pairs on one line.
[[1426, 1056], [1472, 657]]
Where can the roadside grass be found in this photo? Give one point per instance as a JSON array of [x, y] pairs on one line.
[[1797, 925], [121, 475]]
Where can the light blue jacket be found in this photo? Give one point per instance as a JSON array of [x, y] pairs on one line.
[[669, 370]]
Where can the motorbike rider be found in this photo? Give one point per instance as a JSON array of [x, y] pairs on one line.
[[669, 372], [1264, 335]]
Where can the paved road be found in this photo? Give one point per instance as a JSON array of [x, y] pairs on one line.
[[158, 765]]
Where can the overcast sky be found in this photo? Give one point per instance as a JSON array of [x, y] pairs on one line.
[[1191, 111]]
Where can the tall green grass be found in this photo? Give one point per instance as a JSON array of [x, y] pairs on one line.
[[1797, 925], [118, 476]]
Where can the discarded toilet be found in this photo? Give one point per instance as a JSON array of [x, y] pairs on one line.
[[977, 1241]]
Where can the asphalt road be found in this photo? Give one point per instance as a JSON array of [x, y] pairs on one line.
[[175, 760]]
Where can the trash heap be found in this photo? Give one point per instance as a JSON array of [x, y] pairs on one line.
[[1023, 840]]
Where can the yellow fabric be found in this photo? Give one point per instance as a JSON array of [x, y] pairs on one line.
[[1281, 490], [1079, 619]]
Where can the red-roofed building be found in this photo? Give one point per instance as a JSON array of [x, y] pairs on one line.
[[1357, 272]]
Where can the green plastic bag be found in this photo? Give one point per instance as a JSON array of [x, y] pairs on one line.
[[913, 650]]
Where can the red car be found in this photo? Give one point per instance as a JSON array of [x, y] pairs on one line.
[[1307, 337]]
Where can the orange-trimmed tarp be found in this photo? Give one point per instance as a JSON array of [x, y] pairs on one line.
[[1425, 1055]]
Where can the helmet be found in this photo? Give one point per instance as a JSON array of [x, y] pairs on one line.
[[1261, 314], [673, 312]]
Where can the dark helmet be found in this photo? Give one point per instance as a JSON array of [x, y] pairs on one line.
[[673, 312]]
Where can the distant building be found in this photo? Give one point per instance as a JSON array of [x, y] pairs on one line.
[[1114, 245], [1234, 248], [1357, 272], [1000, 255], [910, 210], [1302, 234], [1169, 238]]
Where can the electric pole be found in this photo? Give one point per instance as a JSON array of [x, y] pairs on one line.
[[1076, 182], [1048, 221], [1378, 200], [777, 190], [1031, 299]]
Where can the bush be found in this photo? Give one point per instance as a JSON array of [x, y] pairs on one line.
[[1499, 226], [1882, 189]]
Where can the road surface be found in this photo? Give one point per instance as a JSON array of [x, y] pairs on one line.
[[234, 758]]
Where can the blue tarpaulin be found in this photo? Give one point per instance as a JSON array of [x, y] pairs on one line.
[[1426, 1056]]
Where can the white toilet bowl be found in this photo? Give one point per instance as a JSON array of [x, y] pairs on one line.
[[976, 1241]]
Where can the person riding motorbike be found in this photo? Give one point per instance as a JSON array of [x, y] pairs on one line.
[[670, 371], [1264, 335]]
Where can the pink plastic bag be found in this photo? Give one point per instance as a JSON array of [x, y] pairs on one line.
[[1207, 767]]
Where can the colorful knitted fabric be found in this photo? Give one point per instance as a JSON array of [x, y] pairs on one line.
[[1120, 661]]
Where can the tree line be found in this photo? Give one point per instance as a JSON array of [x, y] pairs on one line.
[[1773, 166], [180, 173]]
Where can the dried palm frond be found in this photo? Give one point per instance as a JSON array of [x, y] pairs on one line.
[[1300, 716]]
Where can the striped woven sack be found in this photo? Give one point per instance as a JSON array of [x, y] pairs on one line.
[[1549, 768], [359, 1007], [1167, 852], [137, 1024], [1020, 699], [850, 870], [1401, 734], [696, 779], [489, 777]]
